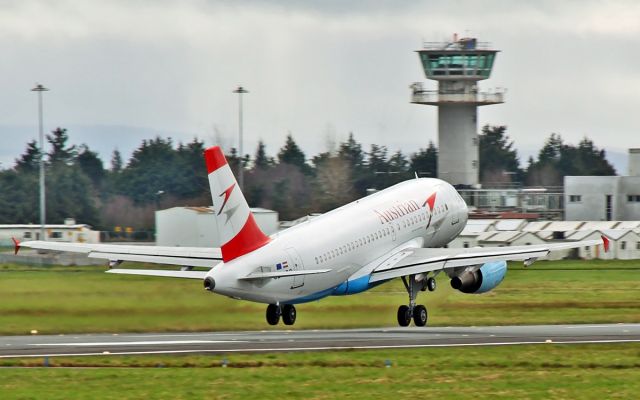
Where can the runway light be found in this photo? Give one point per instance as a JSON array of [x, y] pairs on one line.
[[34, 331], [388, 363], [225, 362]]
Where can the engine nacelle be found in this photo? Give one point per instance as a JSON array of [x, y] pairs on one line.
[[482, 280]]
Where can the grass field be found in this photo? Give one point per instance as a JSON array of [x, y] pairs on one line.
[[63, 300], [522, 372], [85, 299]]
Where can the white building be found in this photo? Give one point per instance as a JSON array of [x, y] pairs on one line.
[[624, 236], [604, 198], [67, 232], [591, 252], [196, 226], [509, 238], [464, 240]]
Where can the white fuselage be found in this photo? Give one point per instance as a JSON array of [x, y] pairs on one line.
[[350, 241]]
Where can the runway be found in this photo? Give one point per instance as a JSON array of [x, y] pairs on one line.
[[311, 340]]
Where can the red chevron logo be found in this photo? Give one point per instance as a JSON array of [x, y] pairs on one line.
[[226, 194]]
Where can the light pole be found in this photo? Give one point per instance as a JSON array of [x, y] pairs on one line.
[[39, 88], [240, 90]]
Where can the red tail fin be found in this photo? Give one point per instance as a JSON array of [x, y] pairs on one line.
[[239, 233]]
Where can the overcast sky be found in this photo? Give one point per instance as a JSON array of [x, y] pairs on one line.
[[123, 71]]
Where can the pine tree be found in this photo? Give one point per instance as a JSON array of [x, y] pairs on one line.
[[60, 153], [30, 160], [90, 164], [498, 159], [116, 161], [262, 161], [291, 154], [425, 162]]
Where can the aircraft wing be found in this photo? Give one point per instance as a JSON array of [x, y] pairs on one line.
[[114, 253], [422, 260]]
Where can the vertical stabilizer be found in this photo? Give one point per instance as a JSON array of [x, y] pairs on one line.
[[239, 234]]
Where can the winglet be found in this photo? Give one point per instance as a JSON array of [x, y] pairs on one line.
[[605, 243], [16, 245]]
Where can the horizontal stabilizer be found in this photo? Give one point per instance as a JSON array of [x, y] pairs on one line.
[[157, 259], [184, 256], [160, 272], [282, 274]]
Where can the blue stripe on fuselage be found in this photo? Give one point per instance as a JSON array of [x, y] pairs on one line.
[[353, 286]]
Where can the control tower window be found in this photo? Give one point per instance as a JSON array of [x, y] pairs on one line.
[[469, 64]]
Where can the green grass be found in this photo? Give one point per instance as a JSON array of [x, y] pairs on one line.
[[85, 299], [523, 372]]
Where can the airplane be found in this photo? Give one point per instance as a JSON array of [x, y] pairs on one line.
[[399, 232]]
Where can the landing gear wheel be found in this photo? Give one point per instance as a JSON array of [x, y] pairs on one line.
[[420, 315], [273, 314], [404, 316], [288, 314], [431, 284]]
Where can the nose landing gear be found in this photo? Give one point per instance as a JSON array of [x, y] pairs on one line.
[[414, 311], [287, 312]]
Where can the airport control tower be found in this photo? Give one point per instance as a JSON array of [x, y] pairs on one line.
[[457, 66]]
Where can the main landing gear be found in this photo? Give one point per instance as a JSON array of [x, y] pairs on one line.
[[287, 312], [414, 311]]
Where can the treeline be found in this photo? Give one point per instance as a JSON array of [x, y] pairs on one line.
[[161, 174], [499, 162]]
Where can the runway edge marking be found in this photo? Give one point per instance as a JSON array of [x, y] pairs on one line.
[[292, 349]]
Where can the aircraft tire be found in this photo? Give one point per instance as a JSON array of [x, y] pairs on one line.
[[420, 315], [289, 314], [273, 314], [431, 284], [404, 315]]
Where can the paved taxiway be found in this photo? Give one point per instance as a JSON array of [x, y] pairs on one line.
[[311, 340]]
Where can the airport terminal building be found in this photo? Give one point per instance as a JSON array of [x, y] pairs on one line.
[[604, 198]]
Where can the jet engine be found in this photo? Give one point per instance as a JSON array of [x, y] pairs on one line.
[[482, 280]]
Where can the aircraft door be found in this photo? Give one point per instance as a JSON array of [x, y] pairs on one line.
[[296, 265], [453, 210]]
